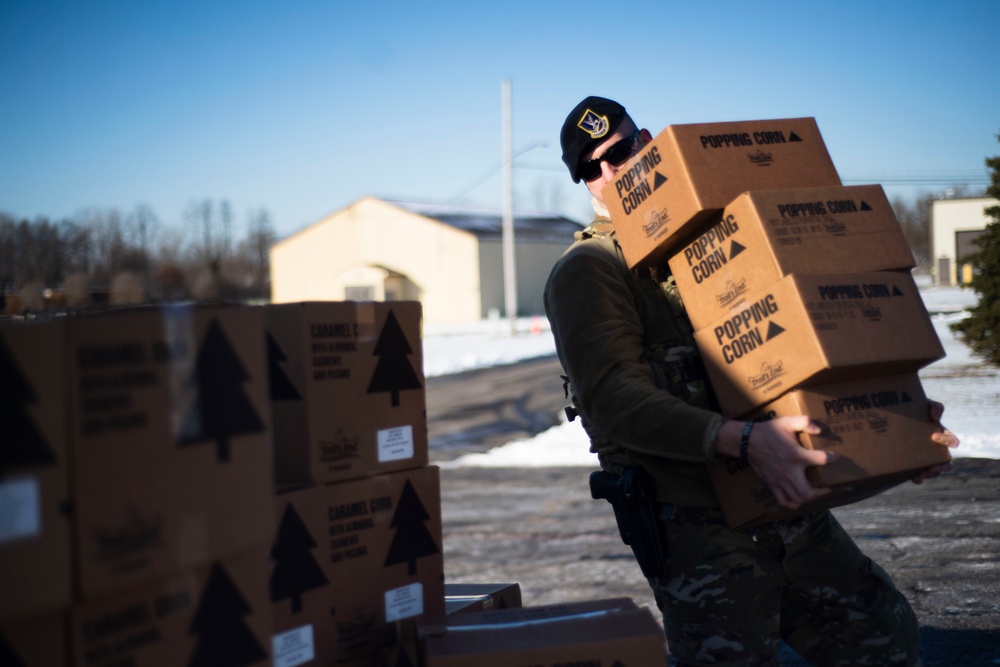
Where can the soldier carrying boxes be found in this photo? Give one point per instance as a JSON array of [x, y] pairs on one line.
[[661, 392]]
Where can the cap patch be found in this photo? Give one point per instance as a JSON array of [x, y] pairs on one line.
[[594, 125]]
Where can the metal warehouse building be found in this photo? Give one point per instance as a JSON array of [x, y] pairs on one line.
[[449, 258], [955, 224]]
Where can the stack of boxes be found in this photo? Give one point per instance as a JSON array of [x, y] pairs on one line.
[[358, 554], [799, 292], [140, 487], [34, 493], [209, 485], [172, 460]]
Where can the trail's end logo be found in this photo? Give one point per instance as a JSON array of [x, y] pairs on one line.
[[765, 496], [356, 628], [732, 292], [878, 424], [872, 312], [594, 125], [340, 447], [657, 220], [768, 373], [760, 158], [132, 536]]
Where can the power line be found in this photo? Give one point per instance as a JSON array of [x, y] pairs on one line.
[[859, 178]]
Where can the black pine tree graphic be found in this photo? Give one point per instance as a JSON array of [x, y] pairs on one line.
[[8, 656], [282, 388], [295, 569], [412, 539], [393, 372], [222, 409], [224, 640], [23, 443], [403, 658]]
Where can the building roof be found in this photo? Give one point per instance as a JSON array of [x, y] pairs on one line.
[[486, 224]]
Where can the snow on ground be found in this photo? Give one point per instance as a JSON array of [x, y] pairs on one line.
[[969, 388], [455, 348]]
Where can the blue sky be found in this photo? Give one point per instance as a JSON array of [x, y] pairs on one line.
[[304, 107]]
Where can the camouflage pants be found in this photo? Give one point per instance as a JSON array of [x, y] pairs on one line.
[[730, 594]]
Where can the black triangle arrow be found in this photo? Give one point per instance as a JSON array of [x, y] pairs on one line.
[[906, 398], [896, 291], [865, 206], [773, 330], [282, 388], [658, 180], [794, 137], [735, 249]]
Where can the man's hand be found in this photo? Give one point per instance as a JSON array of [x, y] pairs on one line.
[[777, 456], [942, 436]]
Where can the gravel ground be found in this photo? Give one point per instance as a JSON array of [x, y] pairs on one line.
[[539, 528]]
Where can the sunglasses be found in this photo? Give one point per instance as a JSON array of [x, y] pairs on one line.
[[615, 155]]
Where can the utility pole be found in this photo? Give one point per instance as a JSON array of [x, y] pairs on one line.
[[507, 187]]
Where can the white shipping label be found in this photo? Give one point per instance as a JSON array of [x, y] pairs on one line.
[[294, 647], [20, 510], [395, 444], [404, 602]]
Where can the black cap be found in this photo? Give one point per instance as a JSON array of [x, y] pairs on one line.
[[586, 126]]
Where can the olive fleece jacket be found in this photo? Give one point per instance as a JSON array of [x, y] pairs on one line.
[[611, 326]]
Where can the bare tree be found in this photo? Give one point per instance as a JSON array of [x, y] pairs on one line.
[[144, 226], [102, 255], [914, 225], [226, 235], [200, 218], [9, 257], [170, 246], [169, 274], [39, 251], [256, 250], [76, 241], [47, 254], [107, 243]]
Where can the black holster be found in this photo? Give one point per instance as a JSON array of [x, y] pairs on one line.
[[638, 513]]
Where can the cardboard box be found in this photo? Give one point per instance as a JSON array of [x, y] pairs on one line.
[[35, 561], [35, 641], [400, 655], [464, 598], [172, 441], [600, 632], [689, 172], [813, 329], [764, 235], [342, 585], [214, 614], [382, 538], [880, 426], [301, 581], [348, 389]]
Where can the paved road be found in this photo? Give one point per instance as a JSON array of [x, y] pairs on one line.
[[481, 409], [540, 528]]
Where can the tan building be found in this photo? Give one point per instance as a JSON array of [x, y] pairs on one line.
[[955, 224], [446, 257]]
